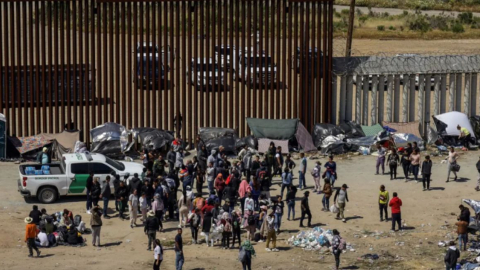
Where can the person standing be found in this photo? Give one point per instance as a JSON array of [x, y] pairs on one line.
[[171, 156], [327, 193], [30, 234], [278, 213], [305, 209], [286, 181], [89, 186], [36, 215], [451, 256], [301, 172], [179, 160], [380, 159], [331, 172], [105, 196], [96, 224], [43, 157], [405, 160], [451, 161], [426, 172], [236, 227], [184, 204], [202, 156], [132, 208], [157, 255], [342, 197], [462, 230], [152, 225], [336, 247], [143, 207], [116, 184], [395, 204], [195, 221], [271, 235], [96, 191], [477, 188], [383, 199], [122, 193], [159, 167], [243, 190], [220, 186], [290, 164], [464, 136], [291, 201], [271, 156], [393, 160], [249, 252], [179, 256], [210, 177], [316, 172], [415, 164]]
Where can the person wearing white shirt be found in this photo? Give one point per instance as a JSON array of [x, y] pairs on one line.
[[157, 255], [43, 239]]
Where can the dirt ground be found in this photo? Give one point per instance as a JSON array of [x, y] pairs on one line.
[[429, 216]]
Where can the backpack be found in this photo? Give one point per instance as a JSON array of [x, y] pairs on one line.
[[251, 220], [76, 220], [262, 175], [342, 245], [242, 255]]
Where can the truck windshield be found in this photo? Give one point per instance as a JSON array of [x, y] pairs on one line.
[[117, 165]]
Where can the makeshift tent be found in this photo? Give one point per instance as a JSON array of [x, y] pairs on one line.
[[446, 125], [62, 143], [402, 139], [263, 145], [347, 130], [475, 122], [304, 138], [152, 138], [410, 127], [274, 129], [110, 139], [372, 130], [281, 130], [3, 136], [30, 143], [213, 137]]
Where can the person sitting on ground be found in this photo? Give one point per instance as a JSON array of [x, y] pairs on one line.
[[42, 239], [49, 227]]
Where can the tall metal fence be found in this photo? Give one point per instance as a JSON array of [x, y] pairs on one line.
[[174, 65], [404, 88]]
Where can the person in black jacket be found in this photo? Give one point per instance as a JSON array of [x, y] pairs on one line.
[[477, 188], [451, 257], [306, 210], [96, 190], [122, 195], [171, 157], [291, 201], [426, 172], [202, 156], [149, 192], [105, 195], [88, 186], [135, 183], [405, 163], [152, 225], [35, 214], [116, 184]]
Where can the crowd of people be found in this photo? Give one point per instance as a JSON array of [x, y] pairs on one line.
[[246, 182]]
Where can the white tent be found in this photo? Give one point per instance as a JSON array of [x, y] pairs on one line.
[[446, 123]]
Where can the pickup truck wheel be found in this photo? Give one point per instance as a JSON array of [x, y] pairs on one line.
[[47, 195]]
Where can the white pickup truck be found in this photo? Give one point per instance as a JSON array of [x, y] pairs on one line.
[[69, 176]]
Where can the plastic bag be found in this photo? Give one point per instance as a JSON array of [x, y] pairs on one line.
[[334, 209]]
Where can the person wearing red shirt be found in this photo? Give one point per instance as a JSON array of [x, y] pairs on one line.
[[219, 186], [395, 204]]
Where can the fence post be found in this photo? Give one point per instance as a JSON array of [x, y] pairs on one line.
[[421, 88], [473, 98], [374, 99], [349, 98], [358, 96], [436, 101], [366, 85], [466, 100], [343, 97], [389, 97], [451, 89], [406, 87], [381, 98], [458, 92]]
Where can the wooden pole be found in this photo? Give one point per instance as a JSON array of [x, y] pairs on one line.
[[351, 17]]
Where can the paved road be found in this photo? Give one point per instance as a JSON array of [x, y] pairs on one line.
[[396, 11]]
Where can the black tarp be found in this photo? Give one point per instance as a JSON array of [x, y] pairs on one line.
[[214, 137], [475, 122], [349, 129], [152, 138], [112, 149], [250, 141], [110, 139], [339, 147]]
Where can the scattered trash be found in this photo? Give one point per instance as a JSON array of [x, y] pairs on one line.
[[370, 256], [399, 243], [315, 239], [128, 241], [442, 244]]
